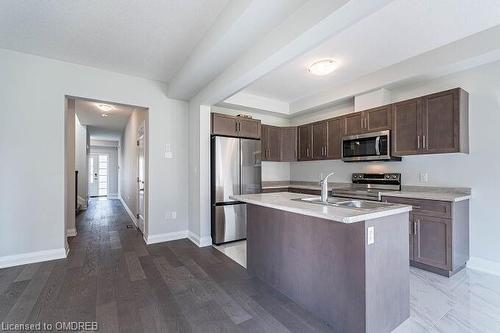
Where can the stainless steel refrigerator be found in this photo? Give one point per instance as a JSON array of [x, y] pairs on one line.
[[235, 169]]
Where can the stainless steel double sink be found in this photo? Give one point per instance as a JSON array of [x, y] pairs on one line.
[[345, 203]]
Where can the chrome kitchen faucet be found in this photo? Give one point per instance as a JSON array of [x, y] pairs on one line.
[[324, 188]]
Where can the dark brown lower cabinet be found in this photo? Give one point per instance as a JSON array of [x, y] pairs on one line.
[[438, 234], [432, 241]]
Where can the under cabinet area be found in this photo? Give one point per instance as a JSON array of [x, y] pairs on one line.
[[438, 234]]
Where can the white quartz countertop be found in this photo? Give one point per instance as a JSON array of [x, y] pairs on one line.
[[429, 195], [284, 201], [412, 192]]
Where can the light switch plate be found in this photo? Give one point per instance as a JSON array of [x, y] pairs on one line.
[[371, 235], [169, 154], [423, 177]]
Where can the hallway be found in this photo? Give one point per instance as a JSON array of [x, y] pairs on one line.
[[112, 277]]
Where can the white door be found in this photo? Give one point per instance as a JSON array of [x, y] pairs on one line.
[[98, 175], [141, 177]]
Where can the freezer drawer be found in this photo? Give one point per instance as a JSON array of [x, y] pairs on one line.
[[229, 223]]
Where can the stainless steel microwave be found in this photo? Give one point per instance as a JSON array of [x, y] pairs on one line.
[[375, 146]]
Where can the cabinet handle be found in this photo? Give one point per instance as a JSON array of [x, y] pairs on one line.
[[424, 143], [415, 227], [236, 125], [307, 151], [418, 141], [416, 207]]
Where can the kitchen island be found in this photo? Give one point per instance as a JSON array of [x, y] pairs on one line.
[[347, 265]]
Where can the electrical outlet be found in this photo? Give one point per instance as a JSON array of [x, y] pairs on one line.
[[371, 235], [174, 215], [169, 154], [423, 177]]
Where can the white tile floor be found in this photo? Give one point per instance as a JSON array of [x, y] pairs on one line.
[[466, 302]]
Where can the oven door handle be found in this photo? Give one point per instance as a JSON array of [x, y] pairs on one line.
[[377, 145]]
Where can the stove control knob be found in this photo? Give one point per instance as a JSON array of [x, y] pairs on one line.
[[387, 176], [394, 176]]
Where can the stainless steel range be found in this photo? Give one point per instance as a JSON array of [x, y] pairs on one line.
[[370, 186]]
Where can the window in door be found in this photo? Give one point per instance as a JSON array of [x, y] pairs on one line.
[[103, 175]]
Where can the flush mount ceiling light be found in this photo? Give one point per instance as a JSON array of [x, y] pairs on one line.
[[322, 67], [105, 107], [104, 115]]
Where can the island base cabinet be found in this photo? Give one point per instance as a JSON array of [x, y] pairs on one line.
[[330, 269]]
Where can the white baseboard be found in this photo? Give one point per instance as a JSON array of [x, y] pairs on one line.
[[32, 257], [200, 241], [114, 196], [484, 265], [71, 232], [129, 212], [160, 238]]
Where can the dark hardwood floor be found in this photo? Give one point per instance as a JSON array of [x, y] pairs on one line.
[[112, 277]]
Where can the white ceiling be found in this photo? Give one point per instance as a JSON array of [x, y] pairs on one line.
[[401, 30], [150, 39], [99, 127]]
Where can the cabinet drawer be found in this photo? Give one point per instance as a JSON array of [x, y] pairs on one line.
[[424, 207]]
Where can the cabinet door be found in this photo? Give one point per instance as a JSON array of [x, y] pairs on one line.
[[354, 123], [224, 124], [264, 141], [411, 230], [319, 140], [304, 142], [441, 119], [378, 119], [432, 241], [274, 144], [406, 127], [335, 130], [288, 144], [248, 128]]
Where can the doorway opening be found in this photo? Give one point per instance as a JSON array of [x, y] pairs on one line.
[[98, 175], [105, 159]]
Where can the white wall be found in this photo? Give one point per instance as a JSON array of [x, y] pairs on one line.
[[128, 163], [270, 170], [112, 152], [32, 91], [69, 168], [81, 161], [478, 170]]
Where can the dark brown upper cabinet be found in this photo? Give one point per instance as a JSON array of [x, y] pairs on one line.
[[319, 140], [377, 119], [354, 123], [432, 124], [373, 120], [445, 122], [335, 130], [248, 128], [288, 144], [271, 143], [228, 125], [406, 127], [304, 142]]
